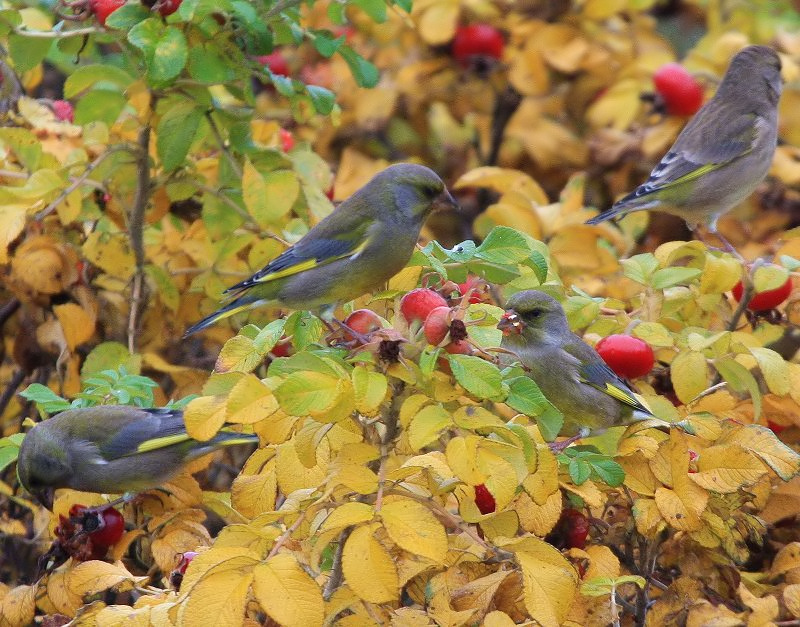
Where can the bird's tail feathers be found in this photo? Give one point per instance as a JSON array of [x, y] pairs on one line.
[[240, 304], [605, 215], [222, 439]]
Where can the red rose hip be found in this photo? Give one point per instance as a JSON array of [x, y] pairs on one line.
[[477, 41], [484, 499], [681, 93], [418, 303], [626, 355], [766, 300]]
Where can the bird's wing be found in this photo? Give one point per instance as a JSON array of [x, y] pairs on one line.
[[315, 249], [699, 155], [147, 430], [594, 371], [600, 376]]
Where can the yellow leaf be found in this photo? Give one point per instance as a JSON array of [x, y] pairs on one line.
[[437, 23], [254, 494], [250, 401], [462, 457], [549, 580], [77, 323], [618, 106], [368, 568], [369, 389], [765, 444], [94, 576], [414, 528], [727, 468], [602, 563], [348, 514], [293, 474], [648, 519], [774, 369], [414, 403], [287, 593], [791, 598], [111, 252], [681, 513], [689, 374], [720, 274], [12, 221], [268, 197], [769, 277], [503, 180], [204, 416], [18, 606], [220, 592], [538, 519], [427, 425]]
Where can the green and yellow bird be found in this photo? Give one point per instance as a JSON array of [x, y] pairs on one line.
[[722, 154], [569, 372], [365, 241], [110, 449]]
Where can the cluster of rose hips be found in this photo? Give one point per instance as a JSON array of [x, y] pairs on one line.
[[86, 533]]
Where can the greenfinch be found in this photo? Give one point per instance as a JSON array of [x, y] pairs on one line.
[[110, 449], [569, 372], [365, 241], [722, 154]]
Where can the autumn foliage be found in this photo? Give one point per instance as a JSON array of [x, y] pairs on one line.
[[404, 474]]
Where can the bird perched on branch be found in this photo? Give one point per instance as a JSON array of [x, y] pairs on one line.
[[365, 241], [110, 449], [722, 154], [569, 372]]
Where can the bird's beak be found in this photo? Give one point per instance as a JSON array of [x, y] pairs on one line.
[[510, 324], [45, 497], [445, 201]]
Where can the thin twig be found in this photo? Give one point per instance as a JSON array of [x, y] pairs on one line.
[[56, 34], [221, 141], [280, 7], [136, 229], [11, 389], [335, 580], [78, 181]]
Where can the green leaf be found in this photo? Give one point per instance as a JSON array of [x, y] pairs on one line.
[[579, 471], [305, 328], [504, 245], [538, 264], [9, 449], [27, 52], [100, 105], [168, 292], [741, 380], [640, 268], [145, 36], [477, 376], [406, 5], [322, 99], [365, 73], [110, 356], [669, 277], [176, 132], [87, 76], [209, 65], [46, 400], [127, 16], [607, 470], [169, 57], [325, 44], [376, 9]]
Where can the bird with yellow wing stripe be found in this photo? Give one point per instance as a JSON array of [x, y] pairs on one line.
[[569, 372], [363, 243]]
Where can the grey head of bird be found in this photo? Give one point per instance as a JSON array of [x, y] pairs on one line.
[[43, 465], [750, 66], [415, 188], [533, 317]]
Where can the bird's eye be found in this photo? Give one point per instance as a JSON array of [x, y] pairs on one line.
[[535, 313]]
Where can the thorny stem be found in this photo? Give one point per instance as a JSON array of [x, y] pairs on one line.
[[78, 181], [136, 229]]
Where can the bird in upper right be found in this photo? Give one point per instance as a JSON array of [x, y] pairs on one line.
[[722, 154]]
